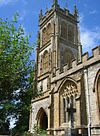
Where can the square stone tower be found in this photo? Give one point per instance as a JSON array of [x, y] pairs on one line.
[[62, 108]]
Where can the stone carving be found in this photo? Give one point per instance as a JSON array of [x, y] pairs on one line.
[[69, 89]]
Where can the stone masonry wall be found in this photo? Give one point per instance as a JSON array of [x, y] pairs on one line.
[[44, 103]]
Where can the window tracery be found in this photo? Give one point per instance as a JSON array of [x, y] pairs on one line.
[[45, 61], [64, 30], [98, 92], [67, 57], [97, 88], [68, 95], [46, 34], [71, 33]]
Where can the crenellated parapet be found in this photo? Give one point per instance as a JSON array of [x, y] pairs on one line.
[[56, 8], [76, 66]]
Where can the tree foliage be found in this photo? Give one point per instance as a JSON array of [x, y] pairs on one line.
[[16, 73]]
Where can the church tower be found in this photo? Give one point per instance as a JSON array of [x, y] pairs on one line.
[[58, 42], [61, 107]]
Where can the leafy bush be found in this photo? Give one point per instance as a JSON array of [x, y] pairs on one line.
[[27, 134], [38, 131]]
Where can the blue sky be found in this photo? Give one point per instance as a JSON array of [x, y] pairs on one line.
[[89, 12]]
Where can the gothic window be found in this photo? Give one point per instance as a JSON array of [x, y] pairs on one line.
[[98, 92], [44, 36], [45, 61], [64, 109], [41, 63], [68, 94], [97, 88], [71, 33], [48, 32], [64, 30], [67, 57]]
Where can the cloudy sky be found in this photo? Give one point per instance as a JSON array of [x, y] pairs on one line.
[[89, 12]]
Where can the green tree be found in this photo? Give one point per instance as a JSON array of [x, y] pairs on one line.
[[16, 73]]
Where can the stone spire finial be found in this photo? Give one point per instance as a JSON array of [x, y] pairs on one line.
[[41, 14], [46, 8], [75, 10], [66, 5], [55, 2]]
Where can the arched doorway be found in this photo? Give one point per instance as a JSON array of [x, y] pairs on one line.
[[42, 119]]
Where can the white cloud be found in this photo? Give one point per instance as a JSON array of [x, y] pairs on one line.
[[81, 18], [5, 2], [22, 15], [92, 12], [90, 38]]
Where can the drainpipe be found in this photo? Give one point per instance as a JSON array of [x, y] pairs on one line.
[[87, 101]]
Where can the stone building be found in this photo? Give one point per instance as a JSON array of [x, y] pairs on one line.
[[68, 80]]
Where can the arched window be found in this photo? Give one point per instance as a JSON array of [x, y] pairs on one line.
[[98, 92], [45, 61], [97, 89], [67, 57], [68, 100], [41, 63], [64, 30], [48, 32], [71, 33], [44, 36]]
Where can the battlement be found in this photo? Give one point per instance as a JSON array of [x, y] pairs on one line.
[[61, 11], [86, 61]]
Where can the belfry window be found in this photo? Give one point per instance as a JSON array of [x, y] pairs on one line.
[[45, 61], [44, 36], [48, 32], [64, 30], [71, 33]]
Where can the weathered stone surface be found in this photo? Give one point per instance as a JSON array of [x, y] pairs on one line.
[[71, 96]]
